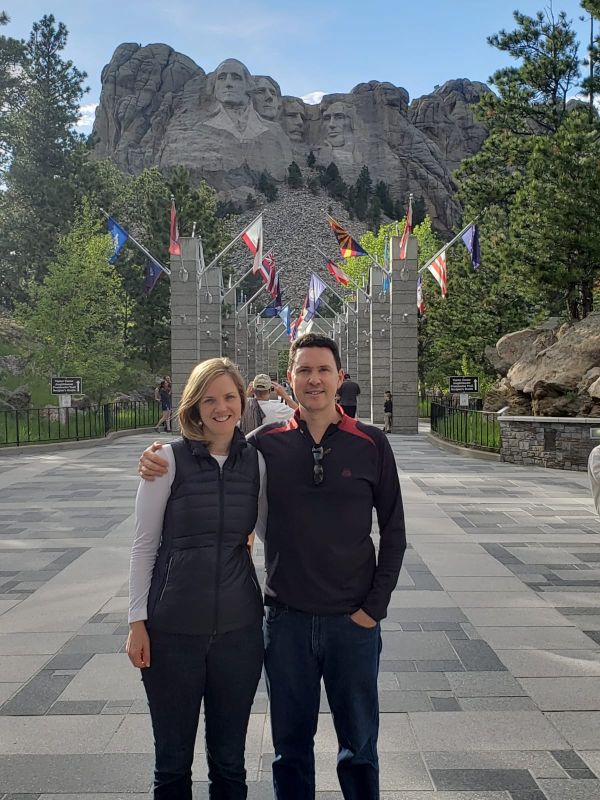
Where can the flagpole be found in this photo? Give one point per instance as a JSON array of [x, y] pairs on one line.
[[354, 284], [447, 246], [140, 247], [279, 337], [373, 259], [247, 303], [233, 241]]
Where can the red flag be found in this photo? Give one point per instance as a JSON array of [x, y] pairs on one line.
[[338, 273], [406, 232], [174, 246], [439, 272]]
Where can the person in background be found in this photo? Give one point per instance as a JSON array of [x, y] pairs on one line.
[[195, 607], [260, 409], [388, 412], [164, 398], [348, 394]]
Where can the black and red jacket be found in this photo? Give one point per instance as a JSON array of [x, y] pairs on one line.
[[319, 554]]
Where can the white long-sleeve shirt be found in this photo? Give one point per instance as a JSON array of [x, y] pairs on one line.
[[150, 504], [594, 475]]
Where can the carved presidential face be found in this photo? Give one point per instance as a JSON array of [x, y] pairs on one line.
[[337, 124], [267, 99], [292, 120], [232, 84]]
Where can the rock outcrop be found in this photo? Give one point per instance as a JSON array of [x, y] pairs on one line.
[[159, 108], [555, 370]]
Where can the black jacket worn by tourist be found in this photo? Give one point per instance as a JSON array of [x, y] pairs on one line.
[[204, 580], [319, 554]]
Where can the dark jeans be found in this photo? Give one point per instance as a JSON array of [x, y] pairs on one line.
[[300, 649], [350, 410], [224, 672]]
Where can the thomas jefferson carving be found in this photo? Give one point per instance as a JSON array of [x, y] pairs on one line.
[[267, 97]]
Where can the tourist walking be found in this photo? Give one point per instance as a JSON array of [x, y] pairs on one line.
[[388, 412], [195, 608], [348, 393], [166, 405]]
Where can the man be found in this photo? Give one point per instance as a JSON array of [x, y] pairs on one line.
[[325, 594], [594, 475], [260, 409], [348, 393]]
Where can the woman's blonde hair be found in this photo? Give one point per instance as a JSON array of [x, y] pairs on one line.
[[201, 376]]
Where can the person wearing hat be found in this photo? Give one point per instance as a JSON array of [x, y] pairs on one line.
[[260, 409]]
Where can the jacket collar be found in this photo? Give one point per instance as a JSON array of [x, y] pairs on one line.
[[200, 449]]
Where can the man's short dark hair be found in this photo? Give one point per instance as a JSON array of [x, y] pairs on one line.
[[346, 376], [314, 340]]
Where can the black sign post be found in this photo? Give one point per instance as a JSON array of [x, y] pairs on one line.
[[66, 385], [461, 384]]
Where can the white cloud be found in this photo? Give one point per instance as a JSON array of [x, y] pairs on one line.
[[313, 98], [87, 114]]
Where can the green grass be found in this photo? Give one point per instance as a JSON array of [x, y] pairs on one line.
[[473, 429]]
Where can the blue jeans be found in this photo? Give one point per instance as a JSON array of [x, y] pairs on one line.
[[300, 649], [185, 670]]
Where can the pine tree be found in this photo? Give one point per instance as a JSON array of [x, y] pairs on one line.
[[294, 176], [311, 160]]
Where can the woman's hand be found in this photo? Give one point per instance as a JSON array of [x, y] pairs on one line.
[[138, 645]]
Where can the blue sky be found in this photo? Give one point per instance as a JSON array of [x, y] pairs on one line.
[[306, 45]]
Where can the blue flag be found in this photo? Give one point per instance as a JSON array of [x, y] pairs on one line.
[[272, 310], [119, 236], [471, 239], [285, 315], [153, 272]]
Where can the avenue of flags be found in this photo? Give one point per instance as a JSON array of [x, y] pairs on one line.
[[265, 266]]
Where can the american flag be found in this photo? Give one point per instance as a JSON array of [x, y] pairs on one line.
[[439, 272], [420, 301]]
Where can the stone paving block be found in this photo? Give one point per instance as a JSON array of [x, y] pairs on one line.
[[570, 790], [485, 730], [477, 584], [37, 695], [516, 617], [422, 681], [478, 656], [540, 763], [551, 662], [62, 707], [581, 729], [24, 644], [7, 690], [56, 735], [592, 759], [20, 668], [482, 779], [439, 666], [497, 704], [564, 694], [526, 599], [106, 676], [530, 638], [94, 644], [422, 615], [484, 684], [64, 774], [417, 646]]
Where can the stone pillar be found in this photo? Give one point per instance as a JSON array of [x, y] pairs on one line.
[[351, 327], [404, 338], [363, 358], [251, 340], [185, 332], [241, 342], [379, 345]]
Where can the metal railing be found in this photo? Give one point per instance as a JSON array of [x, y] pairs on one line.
[[39, 425], [475, 403], [477, 429]]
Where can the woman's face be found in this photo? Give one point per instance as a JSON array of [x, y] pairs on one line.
[[220, 408]]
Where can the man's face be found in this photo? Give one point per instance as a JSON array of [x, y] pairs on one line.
[[266, 99], [293, 121], [336, 120], [315, 378], [231, 87]]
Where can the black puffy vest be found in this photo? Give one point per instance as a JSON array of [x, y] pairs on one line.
[[204, 580]]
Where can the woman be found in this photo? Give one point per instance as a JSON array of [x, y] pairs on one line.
[[195, 609], [164, 396]]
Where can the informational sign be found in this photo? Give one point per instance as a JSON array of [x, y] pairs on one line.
[[463, 400], [67, 385], [594, 433], [457, 384], [64, 401]]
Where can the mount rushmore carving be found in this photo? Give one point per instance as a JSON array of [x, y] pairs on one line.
[[159, 108]]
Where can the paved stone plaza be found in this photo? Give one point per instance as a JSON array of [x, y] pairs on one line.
[[490, 678]]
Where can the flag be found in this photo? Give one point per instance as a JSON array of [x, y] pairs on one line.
[[253, 239], [316, 287], [174, 246], [386, 253], [406, 232], [267, 265], [338, 273], [471, 239], [420, 301], [386, 284], [439, 272], [273, 279], [153, 272], [285, 315], [349, 247], [272, 310], [119, 236]]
